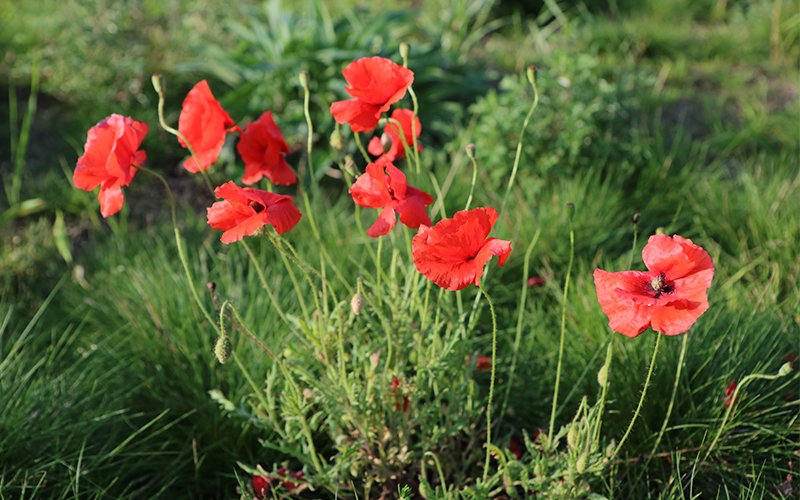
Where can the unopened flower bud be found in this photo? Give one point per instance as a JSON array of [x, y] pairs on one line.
[[659, 230], [570, 210], [337, 141], [304, 79], [635, 218], [212, 286], [223, 348], [572, 437], [357, 303], [158, 82], [602, 376], [349, 165], [386, 142], [786, 369], [404, 49], [470, 151], [580, 465], [532, 74]]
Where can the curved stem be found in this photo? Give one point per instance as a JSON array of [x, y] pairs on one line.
[[563, 327], [415, 151], [641, 399], [633, 251], [361, 148], [491, 387], [519, 148], [471, 155], [731, 406], [177, 134], [246, 329], [166, 187]]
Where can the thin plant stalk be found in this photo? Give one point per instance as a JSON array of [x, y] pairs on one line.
[[519, 145], [671, 401], [272, 298], [181, 253], [471, 153], [27, 121], [563, 327], [641, 399], [633, 250], [521, 308], [361, 147], [491, 388]]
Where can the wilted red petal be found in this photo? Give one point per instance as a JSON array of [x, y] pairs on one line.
[[204, 124], [109, 160], [262, 485]]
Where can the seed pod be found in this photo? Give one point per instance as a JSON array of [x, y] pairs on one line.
[[223, 349], [570, 210], [786, 369], [386, 142], [572, 437], [580, 465], [357, 303], [337, 142]]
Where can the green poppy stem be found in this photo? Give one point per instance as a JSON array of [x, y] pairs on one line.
[[491, 387]]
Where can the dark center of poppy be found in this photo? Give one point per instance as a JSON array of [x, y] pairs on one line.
[[258, 207], [659, 286]]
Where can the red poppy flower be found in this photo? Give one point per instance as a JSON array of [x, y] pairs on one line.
[[204, 124], [483, 363], [109, 160], [262, 148], [244, 210], [262, 485], [404, 406], [729, 393], [453, 252], [397, 149], [376, 83], [515, 447], [384, 186], [670, 296]]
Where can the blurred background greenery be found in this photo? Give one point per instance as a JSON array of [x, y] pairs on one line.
[[685, 111]]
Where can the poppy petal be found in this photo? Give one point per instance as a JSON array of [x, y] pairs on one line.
[[385, 223], [624, 315], [412, 212], [677, 316], [361, 115], [111, 197], [676, 258], [377, 80], [374, 147]]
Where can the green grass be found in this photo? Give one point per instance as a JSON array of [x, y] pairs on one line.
[[106, 391]]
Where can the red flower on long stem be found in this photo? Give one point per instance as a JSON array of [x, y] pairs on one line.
[[244, 210], [110, 159], [669, 296], [262, 485], [204, 124], [397, 149], [384, 186], [375, 83], [453, 252], [262, 147]]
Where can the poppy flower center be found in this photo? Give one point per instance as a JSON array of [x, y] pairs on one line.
[[659, 286], [258, 207]]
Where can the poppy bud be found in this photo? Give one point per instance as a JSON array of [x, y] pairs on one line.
[[357, 303], [572, 437], [386, 142], [570, 210], [212, 286], [786, 369], [404, 49], [580, 465], [470, 151], [158, 83], [532, 75], [659, 230], [635, 218], [223, 348], [304, 79], [337, 142], [602, 376], [349, 165]]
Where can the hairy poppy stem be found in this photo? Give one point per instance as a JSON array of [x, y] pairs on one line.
[[471, 153], [519, 146], [273, 300], [180, 247], [563, 327], [491, 387], [641, 399], [415, 152], [633, 250]]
